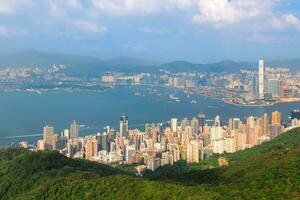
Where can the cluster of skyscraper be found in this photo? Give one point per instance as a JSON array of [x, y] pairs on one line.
[[274, 83], [161, 144]]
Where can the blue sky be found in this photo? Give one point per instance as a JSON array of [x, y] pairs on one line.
[[161, 30]]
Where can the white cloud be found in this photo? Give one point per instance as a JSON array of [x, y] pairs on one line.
[[226, 12], [141, 7], [73, 4], [59, 8], [11, 6], [291, 20], [256, 17], [89, 26]]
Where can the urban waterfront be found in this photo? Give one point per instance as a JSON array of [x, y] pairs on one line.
[[24, 114]]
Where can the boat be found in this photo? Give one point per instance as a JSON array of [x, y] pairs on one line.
[[193, 101]]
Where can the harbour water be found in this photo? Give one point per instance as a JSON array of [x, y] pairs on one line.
[[23, 115]]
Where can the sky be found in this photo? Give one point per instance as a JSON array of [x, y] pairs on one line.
[[160, 30]]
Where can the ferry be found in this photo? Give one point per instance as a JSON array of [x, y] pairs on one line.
[[173, 97]]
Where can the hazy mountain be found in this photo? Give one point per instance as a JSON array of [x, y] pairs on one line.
[[77, 65], [223, 66], [86, 65], [293, 64]]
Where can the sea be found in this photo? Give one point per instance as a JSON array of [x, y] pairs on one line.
[[23, 114]]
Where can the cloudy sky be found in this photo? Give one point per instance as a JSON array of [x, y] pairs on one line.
[[162, 30]]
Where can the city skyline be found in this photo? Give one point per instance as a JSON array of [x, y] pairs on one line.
[[149, 99], [186, 139]]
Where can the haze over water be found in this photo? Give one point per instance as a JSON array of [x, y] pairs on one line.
[[27, 113]]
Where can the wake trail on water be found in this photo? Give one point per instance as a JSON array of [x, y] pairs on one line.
[[21, 136]]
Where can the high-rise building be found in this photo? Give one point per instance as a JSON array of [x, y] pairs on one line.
[[251, 122], [276, 118], [193, 153], [201, 119], [261, 79], [275, 130], [91, 148], [265, 125], [236, 123], [66, 133], [274, 87], [295, 114], [153, 163], [74, 129], [218, 122], [254, 85], [195, 125], [124, 126], [48, 132], [174, 125], [130, 153]]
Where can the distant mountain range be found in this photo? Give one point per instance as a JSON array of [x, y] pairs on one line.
[[86, 65]]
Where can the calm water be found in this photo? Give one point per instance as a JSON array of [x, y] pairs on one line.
[[26, 113]]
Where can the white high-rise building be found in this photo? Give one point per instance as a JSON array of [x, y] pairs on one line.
[[74, 129], [261, 79], [174, 125]]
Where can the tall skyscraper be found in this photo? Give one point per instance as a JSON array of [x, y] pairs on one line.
[[124, 126], [218, 122], [265, 125], [274, 87], [74, 129], [254, 85], [201, 119], [48, 132], [236, 123], [276, 118], [261, 79], [174, 125], [91, 147]]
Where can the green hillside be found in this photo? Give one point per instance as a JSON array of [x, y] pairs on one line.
[[268, 171]]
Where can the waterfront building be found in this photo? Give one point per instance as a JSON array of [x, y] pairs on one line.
[[218, 122], [274, 87], [201, 119], [276, 118], [124, 126], [174, 126], [74, 129], [173, 142], [66, 133], [48, 133], [261, 79]]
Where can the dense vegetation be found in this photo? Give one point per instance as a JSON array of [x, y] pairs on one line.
[[268, 171]]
